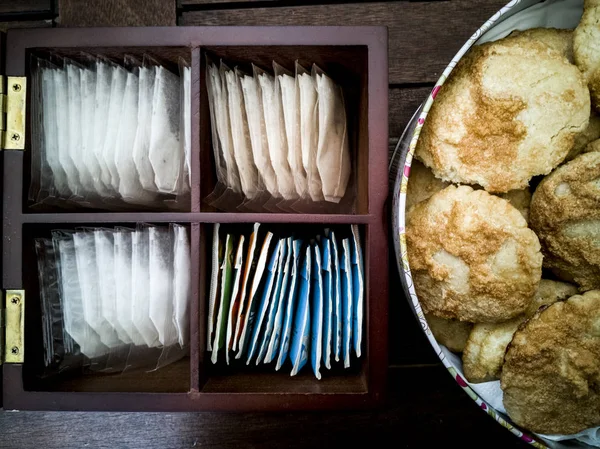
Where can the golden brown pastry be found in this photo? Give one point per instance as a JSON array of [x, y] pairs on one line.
[[586, 46], [551, 373], [593, 146], [588, 136], [451, 333], [510, 110], [520, 199], [565, 214], [484, 351], [472, 256], [421, 184], [557, 39]]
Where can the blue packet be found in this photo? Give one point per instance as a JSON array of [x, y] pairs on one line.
[[317, 310], [281, 304], [336, 281], [273, 303], [327, 301], [347, 300], [290, 302], [358, 289], [300, 337], [264, 302]]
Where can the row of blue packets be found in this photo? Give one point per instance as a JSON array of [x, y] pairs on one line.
[[289, 298]]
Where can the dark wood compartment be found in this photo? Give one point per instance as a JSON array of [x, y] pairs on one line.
[[171, 378], [239, 377], [355, 57], [346, 65], [172, 58]]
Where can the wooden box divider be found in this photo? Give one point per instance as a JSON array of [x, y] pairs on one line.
[[356, 57]]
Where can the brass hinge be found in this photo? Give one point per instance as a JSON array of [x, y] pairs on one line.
[[2, 331], [13, 94], [14, 326]]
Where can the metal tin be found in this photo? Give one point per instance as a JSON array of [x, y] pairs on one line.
[[523, 14]]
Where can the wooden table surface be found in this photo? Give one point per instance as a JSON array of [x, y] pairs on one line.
[[424, 406]]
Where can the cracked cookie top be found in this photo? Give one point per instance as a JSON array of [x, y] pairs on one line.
[[510, 110]]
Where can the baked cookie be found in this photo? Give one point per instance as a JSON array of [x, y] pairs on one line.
[[451, 333], [582, 140], [586, 47], [551, 372], [557, 39], [484, 350], [421, 184], [593, 146], [520, 199], [472, 256], [565, 214], [510, 110]]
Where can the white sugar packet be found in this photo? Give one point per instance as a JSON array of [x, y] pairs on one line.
[[276, 135], [242, 146], [141, 145], [50, 133], [62, 131], [166, 142], [101, 107], [309, 131], [115, 106], [290, 99], [181, 283], [75, 128], [258, 133]]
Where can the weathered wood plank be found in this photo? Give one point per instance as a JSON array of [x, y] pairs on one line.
[[403, 102], [25, 6], [87, 13], [4, 26], [423, 36], [407, 342], [208, 2], [425, 408]]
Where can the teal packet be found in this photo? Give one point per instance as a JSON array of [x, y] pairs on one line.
[[327, 301], [281, 304], [290, 302], [273, 303], [300, 337], [317, 312], [347, 300], [358, 289], [336, 282], [264, 303]]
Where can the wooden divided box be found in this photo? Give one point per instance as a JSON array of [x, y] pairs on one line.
[[356, 58]]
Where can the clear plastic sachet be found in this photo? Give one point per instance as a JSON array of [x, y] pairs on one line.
[[109, 135], [114, 299]]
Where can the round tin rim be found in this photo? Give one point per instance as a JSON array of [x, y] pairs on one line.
[[398, 223]]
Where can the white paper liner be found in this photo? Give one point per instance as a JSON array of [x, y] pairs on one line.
[[491, 393]]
